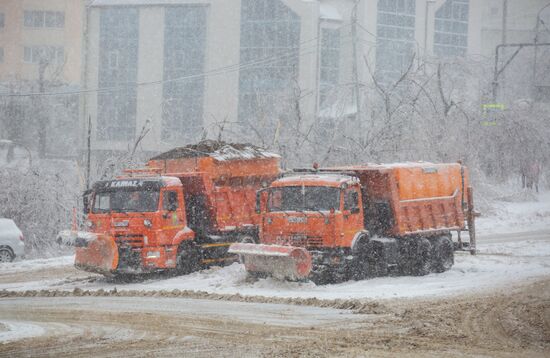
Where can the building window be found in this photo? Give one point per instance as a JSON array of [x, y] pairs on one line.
[[395, 40], [53, 19], [451, 29], [270, 47], [330, 65], [118, 60], [53, 55], [1, 54], [2, 20], [184, 51]]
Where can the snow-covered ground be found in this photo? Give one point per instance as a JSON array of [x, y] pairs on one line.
[[511, 215], [514, 246]]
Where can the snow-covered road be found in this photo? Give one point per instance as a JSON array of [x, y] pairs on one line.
[[502, 259], [513, 244]]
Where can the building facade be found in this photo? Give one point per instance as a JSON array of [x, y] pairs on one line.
[[37, 31], [184, 69]]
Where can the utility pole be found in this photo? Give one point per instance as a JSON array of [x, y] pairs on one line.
[[504, 31], [536, 40], [42, 115], [89, 152], [354, 61]]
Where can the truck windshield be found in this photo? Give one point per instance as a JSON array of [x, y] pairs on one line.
[[303, 198], [126, 201]]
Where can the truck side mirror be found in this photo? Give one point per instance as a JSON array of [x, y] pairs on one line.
[[86, 201], [259, 194], [259, 202]]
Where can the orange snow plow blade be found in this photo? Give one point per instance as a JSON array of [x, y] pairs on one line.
[[94, 252], [282, 262]]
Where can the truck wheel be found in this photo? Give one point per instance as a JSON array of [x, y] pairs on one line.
[[443, 254], [360, 265], [321, 276], [188, 259], [423, 258], [6, 255], [377, 265]]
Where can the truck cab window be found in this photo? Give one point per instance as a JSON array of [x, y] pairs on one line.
[[170, 201], [351, 201], [102, 203]]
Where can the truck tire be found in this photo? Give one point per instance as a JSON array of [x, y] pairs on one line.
[[377, 265], [442, 254], [321, 276], [188, 259], [359, 267], [422, 261], [6, 255]]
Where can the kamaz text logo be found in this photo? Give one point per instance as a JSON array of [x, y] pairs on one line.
[[125, 183]]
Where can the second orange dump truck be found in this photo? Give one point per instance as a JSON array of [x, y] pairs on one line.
[[334, 224], [181, 212]]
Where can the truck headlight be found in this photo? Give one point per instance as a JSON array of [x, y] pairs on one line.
[[147, 223], [89, 223], [153, 254]]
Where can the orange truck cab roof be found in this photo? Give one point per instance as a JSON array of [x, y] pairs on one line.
[[127, 182]]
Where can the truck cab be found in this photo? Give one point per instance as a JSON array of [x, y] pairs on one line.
[[312, 211], [142, 220]]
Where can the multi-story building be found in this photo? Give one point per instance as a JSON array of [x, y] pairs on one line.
[[184, 68], [35, 33]]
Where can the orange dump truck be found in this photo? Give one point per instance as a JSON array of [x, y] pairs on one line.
[[334, 224], [181, 212]]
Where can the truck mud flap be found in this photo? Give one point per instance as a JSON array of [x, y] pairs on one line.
[[282, 262]]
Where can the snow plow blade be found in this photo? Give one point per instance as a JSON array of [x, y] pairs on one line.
[[94, 252], [282, 262]]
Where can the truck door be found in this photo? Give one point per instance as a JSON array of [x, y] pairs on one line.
[[172, 213], [353, 214], [198, 217]]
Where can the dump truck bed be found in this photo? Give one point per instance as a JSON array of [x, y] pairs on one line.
[[220, 181], [413, 198]]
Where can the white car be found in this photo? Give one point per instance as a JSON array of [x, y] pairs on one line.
[[11, 241]]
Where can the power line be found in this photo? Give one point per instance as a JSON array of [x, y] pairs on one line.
[[219, 71]]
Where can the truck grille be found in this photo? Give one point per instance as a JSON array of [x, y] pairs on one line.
[[133, 240], [300, 241]]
